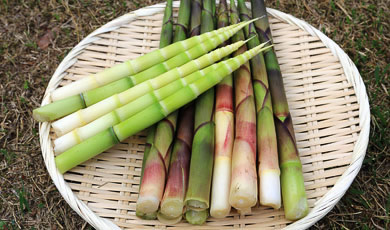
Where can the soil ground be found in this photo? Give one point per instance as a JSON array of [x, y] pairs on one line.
[[36, 35]]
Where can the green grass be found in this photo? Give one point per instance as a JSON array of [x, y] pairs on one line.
[[5, 225], [23, 199], [362, 31], [7, 156]]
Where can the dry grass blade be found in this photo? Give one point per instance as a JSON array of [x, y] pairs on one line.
[[25, 70]]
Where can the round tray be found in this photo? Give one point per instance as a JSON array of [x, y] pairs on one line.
[[327, 99]]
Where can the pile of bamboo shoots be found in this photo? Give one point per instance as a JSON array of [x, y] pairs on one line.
[[220, 133]]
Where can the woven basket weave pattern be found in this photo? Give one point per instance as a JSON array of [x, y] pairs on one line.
[[330, 126]]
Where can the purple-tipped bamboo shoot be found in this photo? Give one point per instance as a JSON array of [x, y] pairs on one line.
[[167, 220], [152, 187], [172, 204], [243, 187], [224, 136], [268, 171], [173, 201], [156, 167]]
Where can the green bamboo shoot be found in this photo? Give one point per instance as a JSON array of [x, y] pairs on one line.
[[293, 189], [91, 113], [85, 92], [146, 98], [152, 114], [202, 154], [129, 67]]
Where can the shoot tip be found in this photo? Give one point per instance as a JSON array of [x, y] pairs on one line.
[[255, 19], [247, 40]]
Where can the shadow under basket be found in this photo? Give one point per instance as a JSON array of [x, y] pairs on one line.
[[326, 96]]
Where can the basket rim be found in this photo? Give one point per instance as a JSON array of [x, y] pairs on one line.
[[322, 206]]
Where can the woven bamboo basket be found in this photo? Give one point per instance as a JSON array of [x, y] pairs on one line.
[[327, 99]]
